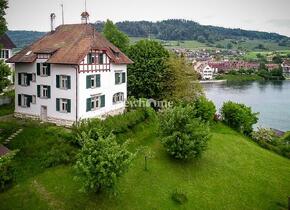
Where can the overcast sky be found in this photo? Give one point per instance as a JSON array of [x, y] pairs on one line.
[[262, 15]]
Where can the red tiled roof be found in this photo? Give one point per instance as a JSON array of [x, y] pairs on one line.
[[69, 44], [6, 42]]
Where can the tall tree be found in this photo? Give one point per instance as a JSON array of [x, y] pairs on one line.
[[148, 76], [115, 36], [5, 71], [3, 24]]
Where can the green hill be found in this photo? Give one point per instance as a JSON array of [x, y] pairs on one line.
[[234, 173]]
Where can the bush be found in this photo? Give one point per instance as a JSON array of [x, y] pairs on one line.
[[115, 124], [6, 170], [183, 136], [239, 116], [205, 109], [101, 162], [264, 135]]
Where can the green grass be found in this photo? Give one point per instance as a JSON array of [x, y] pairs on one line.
[[234, 173], [253, 54], [6, 110]]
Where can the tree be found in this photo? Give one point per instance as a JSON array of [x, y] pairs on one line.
[[180, 82], [115, 36], [148, 76], [183, 136], [205, 109], [5, 71], [3, 24], [100, 163], [239, 117], [7, 169]]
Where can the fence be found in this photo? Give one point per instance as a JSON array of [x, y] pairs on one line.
[[5, 100]]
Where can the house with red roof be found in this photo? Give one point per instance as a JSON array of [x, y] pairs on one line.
[[69, 74]]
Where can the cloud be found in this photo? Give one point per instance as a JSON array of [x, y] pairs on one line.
[[281, 23]]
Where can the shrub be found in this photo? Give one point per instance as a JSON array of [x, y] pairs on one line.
[[179, 197], [6, 170], [101, 162], [205, 109], [183, 136], [264, 135], [114, 124], [239, 117]]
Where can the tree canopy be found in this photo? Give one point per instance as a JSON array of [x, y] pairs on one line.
[[115, 36], [3, 24], [5, 71]]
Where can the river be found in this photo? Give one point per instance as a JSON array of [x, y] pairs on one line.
[[270, 99]]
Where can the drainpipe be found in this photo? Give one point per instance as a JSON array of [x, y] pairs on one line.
[[76, 68]]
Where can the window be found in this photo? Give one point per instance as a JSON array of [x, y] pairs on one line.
[[24, 100], [43, 91], [63, 105], [93, 81], [33, 77], [4, 54], [23, 79], [120, 77], [63, 82], [101, 58], [118, 97], [95, 102], [43, 69]]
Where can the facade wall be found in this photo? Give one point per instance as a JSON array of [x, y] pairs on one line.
[[50, 103], [107, 88]]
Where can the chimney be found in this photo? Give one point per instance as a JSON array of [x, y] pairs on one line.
[[85, 17], [52, 21]]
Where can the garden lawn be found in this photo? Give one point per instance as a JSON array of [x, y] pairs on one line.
[[234, 173], [6, 110]]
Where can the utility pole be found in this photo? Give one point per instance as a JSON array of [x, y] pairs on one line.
[[62, 14]]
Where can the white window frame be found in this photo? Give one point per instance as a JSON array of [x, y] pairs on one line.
[[23, 101], [118, 98], [23, 79], [95, 103], [93, 81], [120, 77], [33, 77], [43, 70], [44, 91], [63, 82], [63, 105]]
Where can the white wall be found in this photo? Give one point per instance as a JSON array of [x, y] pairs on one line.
[[35, 109], [108, 88]]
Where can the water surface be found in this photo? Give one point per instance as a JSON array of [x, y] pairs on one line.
[[270, 99]]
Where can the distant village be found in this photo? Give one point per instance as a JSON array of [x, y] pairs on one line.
[[210, 63]]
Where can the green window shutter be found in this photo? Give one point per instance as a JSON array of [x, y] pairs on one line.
[[28, 79], [57, 104], [19, 78], [19, 100], [57, 81], [38, 69], [98, 80], [48, 69], [68, 105], [38, 90], [88, 81], [68, 82], [123, 77], [89, 108], [116, 78], [48, 92], [103, 102], [29, 100]]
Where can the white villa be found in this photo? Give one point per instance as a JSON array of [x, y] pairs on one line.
[[69, 74], [286, 68], [205, 71], [6, 51]]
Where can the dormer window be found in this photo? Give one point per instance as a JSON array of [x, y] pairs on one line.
[[94, 58]]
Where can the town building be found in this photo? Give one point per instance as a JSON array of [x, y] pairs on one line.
[[206, 72], [71, 73], [6, 46], [286, 68]]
